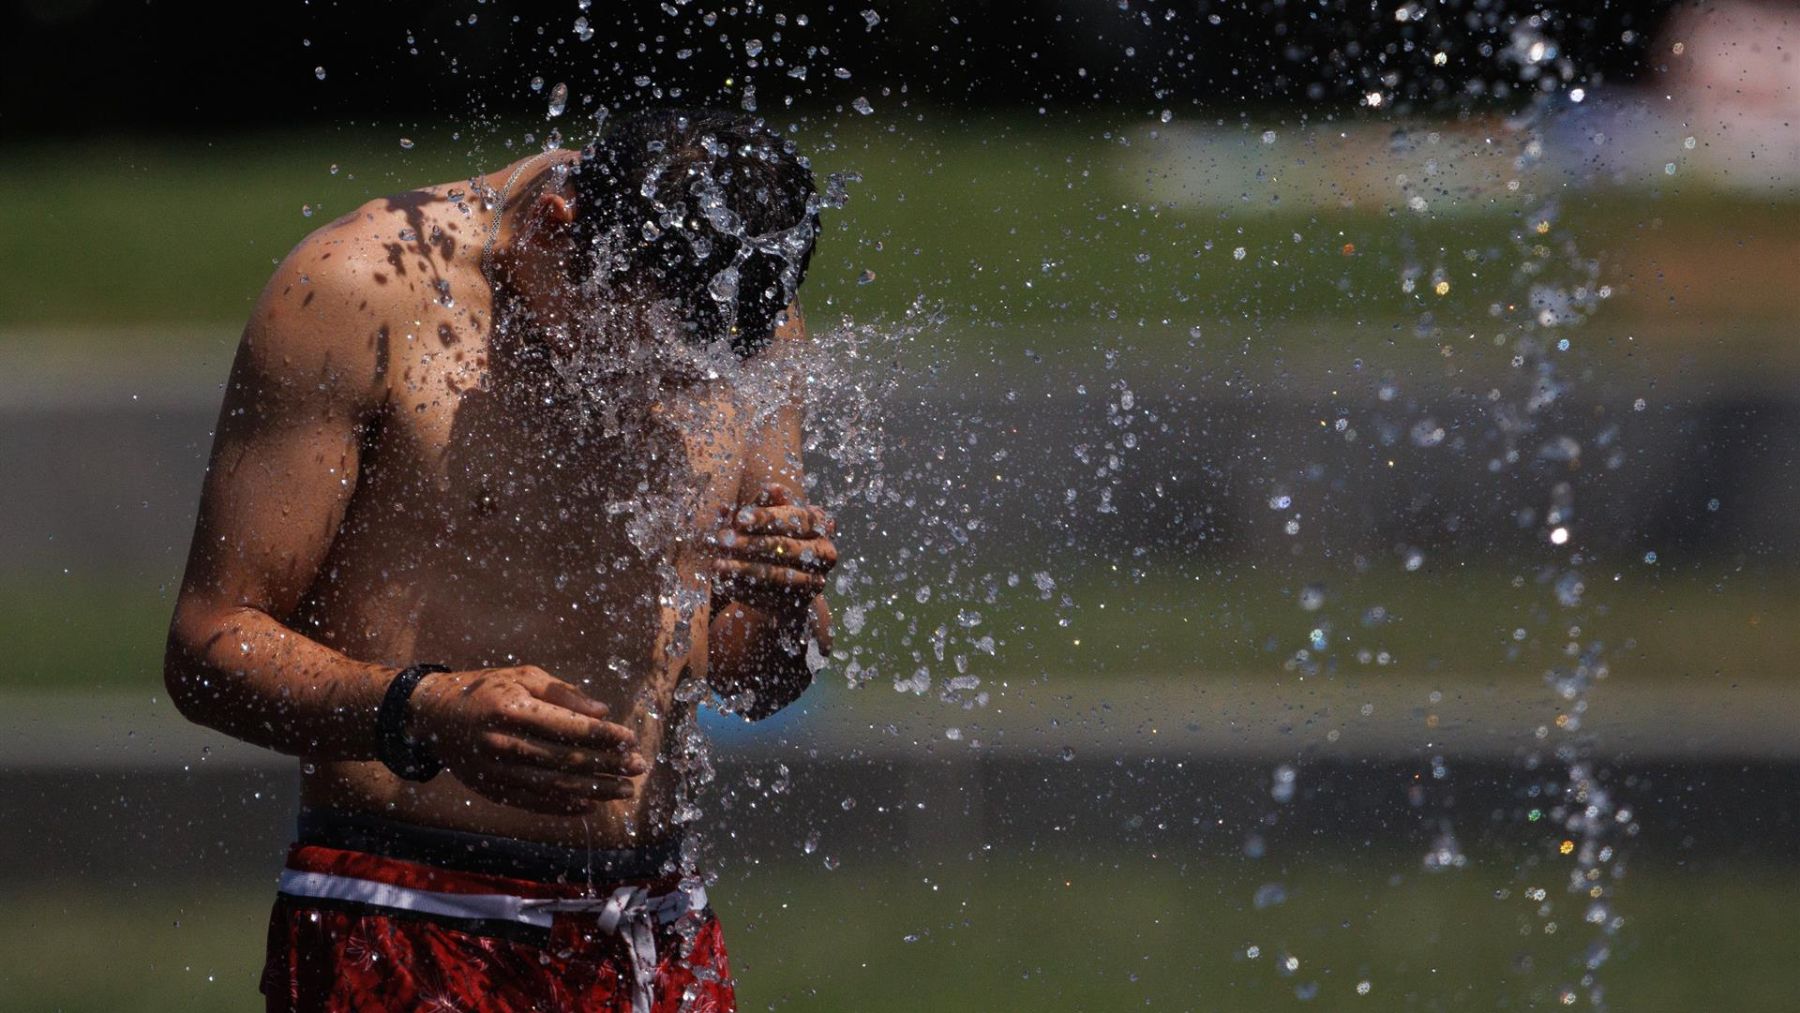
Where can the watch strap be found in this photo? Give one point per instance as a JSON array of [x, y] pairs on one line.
[[407, 758]]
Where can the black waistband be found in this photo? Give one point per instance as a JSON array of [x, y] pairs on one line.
[[484, 853]]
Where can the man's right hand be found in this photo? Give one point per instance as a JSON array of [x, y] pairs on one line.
[[522, 737]]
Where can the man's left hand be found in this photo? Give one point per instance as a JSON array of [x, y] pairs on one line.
[[774, 554]]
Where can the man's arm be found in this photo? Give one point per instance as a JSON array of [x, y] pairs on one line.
[[303, 389], [284, 466], [774, 557]]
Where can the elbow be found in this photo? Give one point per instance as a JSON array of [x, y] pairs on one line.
[[181, 678], [186, 673], [785, 675], [773, 695], [758, 664]]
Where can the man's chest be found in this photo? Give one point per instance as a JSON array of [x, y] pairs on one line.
[[518, 476]]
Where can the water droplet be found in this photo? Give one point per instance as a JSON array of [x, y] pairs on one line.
[[559, 99], [862, 105], [406, 144], [871, 18], [724, 285], [1282, 789], [1066, 753], [306, 210], [1426, 433], [537, 84], [319, 72]]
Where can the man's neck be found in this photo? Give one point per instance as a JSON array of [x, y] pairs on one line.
[[530, 177]]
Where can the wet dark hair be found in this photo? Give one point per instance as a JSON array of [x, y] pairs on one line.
[[713, 210]]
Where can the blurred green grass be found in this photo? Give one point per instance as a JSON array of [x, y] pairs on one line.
[[1021, 232], [1700, 628], [1044, 932]]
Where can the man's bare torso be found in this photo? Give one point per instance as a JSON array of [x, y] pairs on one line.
[[487, 529]]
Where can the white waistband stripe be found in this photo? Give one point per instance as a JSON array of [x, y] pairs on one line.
[[325, 886]]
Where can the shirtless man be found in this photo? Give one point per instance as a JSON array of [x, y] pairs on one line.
[[507, 474]]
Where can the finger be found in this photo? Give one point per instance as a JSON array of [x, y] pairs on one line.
[[739, 578], [793, 521], [539, 719], [747, 572], [567, 695], [774, 494], [821, 626], [768, 520], [519, 751], [814, 555]]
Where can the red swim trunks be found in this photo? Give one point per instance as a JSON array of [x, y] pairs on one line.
[[356, 930]]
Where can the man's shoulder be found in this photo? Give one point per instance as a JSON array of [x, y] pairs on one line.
[[344, 298], [393, 255], [399, 240], [319, 315]]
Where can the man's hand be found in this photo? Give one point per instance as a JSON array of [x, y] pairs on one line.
[[522, 737], [773, 554]]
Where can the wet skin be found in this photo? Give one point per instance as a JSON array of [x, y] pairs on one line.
[[387, 488]]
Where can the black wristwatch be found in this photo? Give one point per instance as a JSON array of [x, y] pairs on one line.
[[406, 758]]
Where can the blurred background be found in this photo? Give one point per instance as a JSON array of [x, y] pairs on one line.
[[1319, 480]]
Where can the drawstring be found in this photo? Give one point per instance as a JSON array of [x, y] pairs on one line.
[[632, 914]]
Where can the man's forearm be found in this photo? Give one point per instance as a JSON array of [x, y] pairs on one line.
[[244, 673]]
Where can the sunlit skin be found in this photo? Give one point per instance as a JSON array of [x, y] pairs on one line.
[[384, 490]]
